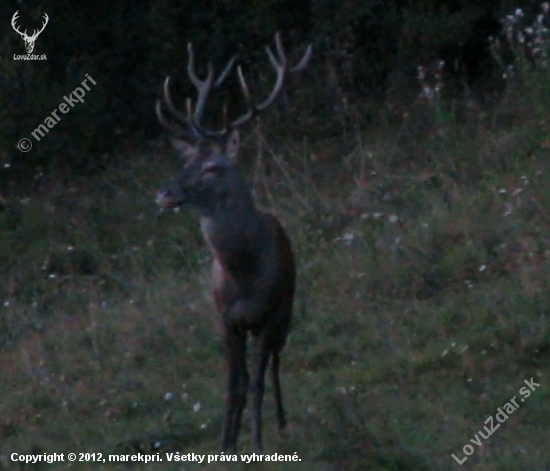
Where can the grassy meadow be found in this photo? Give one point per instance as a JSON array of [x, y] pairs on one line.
[[423, 247]]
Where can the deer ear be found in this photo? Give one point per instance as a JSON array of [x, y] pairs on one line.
[[232, 145], [182, 147]]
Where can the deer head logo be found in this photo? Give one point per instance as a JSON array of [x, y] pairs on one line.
[[29, 40]]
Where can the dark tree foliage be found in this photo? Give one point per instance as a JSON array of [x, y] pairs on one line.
[[362, 49]]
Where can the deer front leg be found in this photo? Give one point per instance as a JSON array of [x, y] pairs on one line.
[[261, 361], [237, 384]]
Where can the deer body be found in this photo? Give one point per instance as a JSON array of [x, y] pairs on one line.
[[253, 286], [253, 275], [253, 269]]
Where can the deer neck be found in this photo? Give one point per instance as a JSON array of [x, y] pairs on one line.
[[235, 230]]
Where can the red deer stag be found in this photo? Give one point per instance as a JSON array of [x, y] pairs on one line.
[[253, 271]]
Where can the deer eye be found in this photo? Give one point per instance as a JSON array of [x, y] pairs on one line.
[[212, 170]]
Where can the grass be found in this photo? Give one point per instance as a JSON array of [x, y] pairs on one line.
[[422, 307]]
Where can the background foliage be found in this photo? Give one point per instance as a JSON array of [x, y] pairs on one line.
[[364, 50]]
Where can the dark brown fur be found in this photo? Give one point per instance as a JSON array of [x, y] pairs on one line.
[[253, 274]]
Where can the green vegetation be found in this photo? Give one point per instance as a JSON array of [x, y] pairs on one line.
[[422, 305], [422, 308]]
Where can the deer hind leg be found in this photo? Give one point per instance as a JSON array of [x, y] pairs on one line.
[[261, 361], [281, 420], [284, 315], [237, 385]]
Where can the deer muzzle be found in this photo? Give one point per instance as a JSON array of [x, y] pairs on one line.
[[166, 199]]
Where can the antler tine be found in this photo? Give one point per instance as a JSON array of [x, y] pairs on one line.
[[192, 129], [226, 72], [281, 69], [304, 61], [250, 113], [167, 124], [203, 86], [168, 100]]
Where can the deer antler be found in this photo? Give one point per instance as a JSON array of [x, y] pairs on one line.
[[192, 120]]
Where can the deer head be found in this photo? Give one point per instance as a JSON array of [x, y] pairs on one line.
[[209, 180], [29, 40]]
